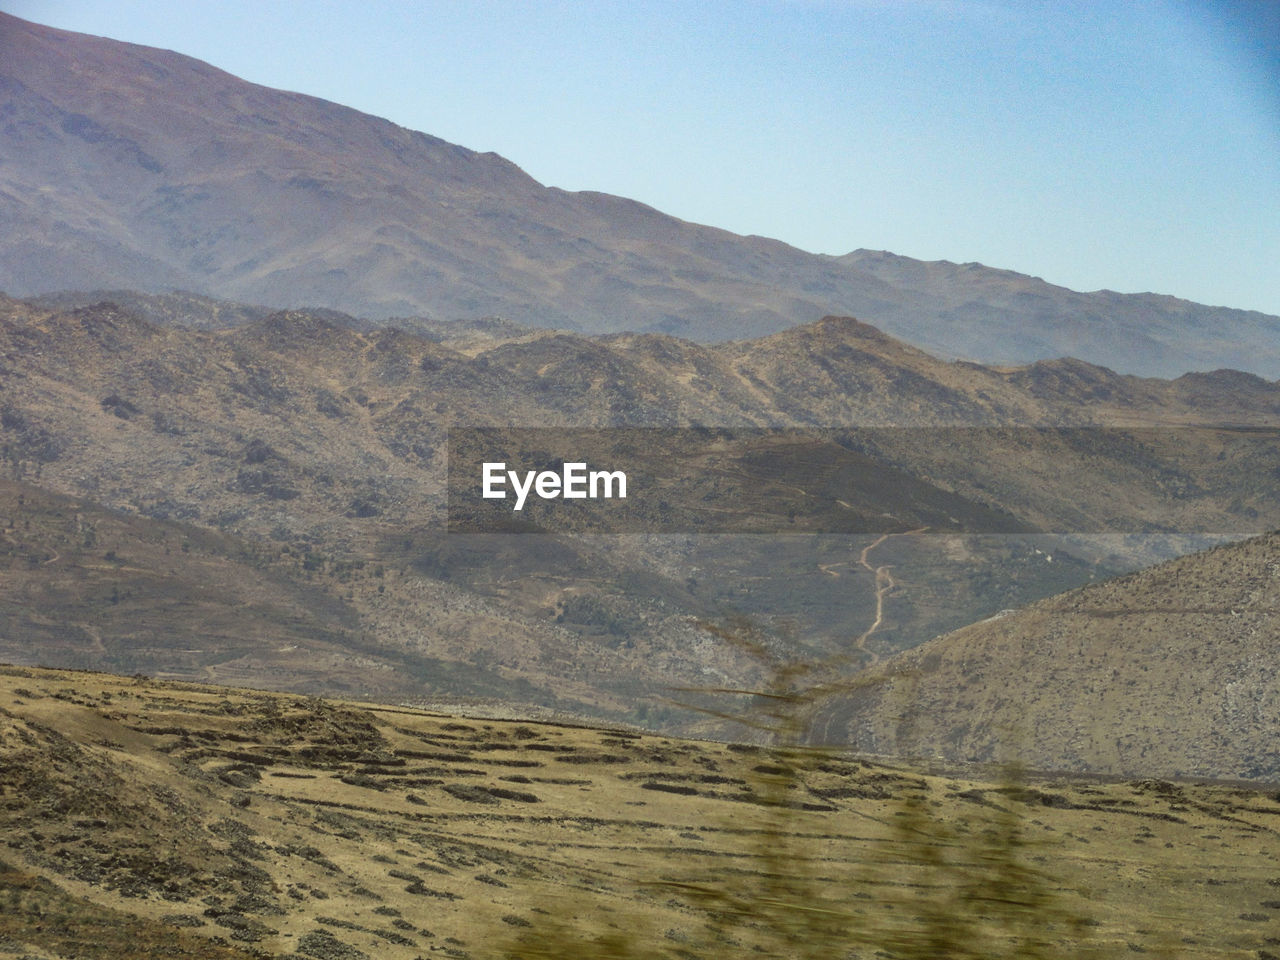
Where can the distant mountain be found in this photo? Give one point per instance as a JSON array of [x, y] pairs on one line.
[[123, 166], [1170, 671]]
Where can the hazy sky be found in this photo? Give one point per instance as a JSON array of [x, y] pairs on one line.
[[1128, 144]]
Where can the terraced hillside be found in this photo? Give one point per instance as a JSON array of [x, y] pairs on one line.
[[140, 817]]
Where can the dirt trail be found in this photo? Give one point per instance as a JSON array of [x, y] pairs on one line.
[[884, 583]]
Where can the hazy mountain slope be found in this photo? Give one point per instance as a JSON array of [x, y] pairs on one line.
[[126, 166], [170, 172], [1004, 317], [89, 588], [1169, 671]]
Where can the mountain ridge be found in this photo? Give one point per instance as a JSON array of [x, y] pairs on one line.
[[316, 450], [129, 167]]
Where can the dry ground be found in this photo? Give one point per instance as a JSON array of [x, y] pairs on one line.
[[143, 818]]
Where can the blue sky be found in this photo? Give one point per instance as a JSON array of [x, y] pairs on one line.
[[1130, 145]]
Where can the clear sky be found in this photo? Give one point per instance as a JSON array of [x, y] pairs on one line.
[[1124, 144]]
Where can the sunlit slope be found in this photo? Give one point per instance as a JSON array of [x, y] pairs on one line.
[[1171, 671], [300, 827]]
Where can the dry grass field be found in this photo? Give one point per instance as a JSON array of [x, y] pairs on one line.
[[141, 818]]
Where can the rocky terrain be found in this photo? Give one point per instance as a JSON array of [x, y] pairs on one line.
[[264, 504], [1170, 671], [142, 816], [127, 167]]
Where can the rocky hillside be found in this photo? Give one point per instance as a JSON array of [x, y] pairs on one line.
[[264, 505], [1171, 671]]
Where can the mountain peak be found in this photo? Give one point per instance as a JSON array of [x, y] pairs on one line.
[[137, 168]]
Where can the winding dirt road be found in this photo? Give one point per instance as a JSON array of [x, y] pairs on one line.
[[884, 583]]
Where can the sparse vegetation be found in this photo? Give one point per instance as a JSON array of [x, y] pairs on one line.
[[766, 849], [307, 544], [964, 884]]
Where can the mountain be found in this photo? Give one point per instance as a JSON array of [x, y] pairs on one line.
[[126, 167], [266, 504], [1170, 670]]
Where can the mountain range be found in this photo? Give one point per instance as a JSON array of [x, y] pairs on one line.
[[204, 488], [894, 646], [265, 502], [128, 167]]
